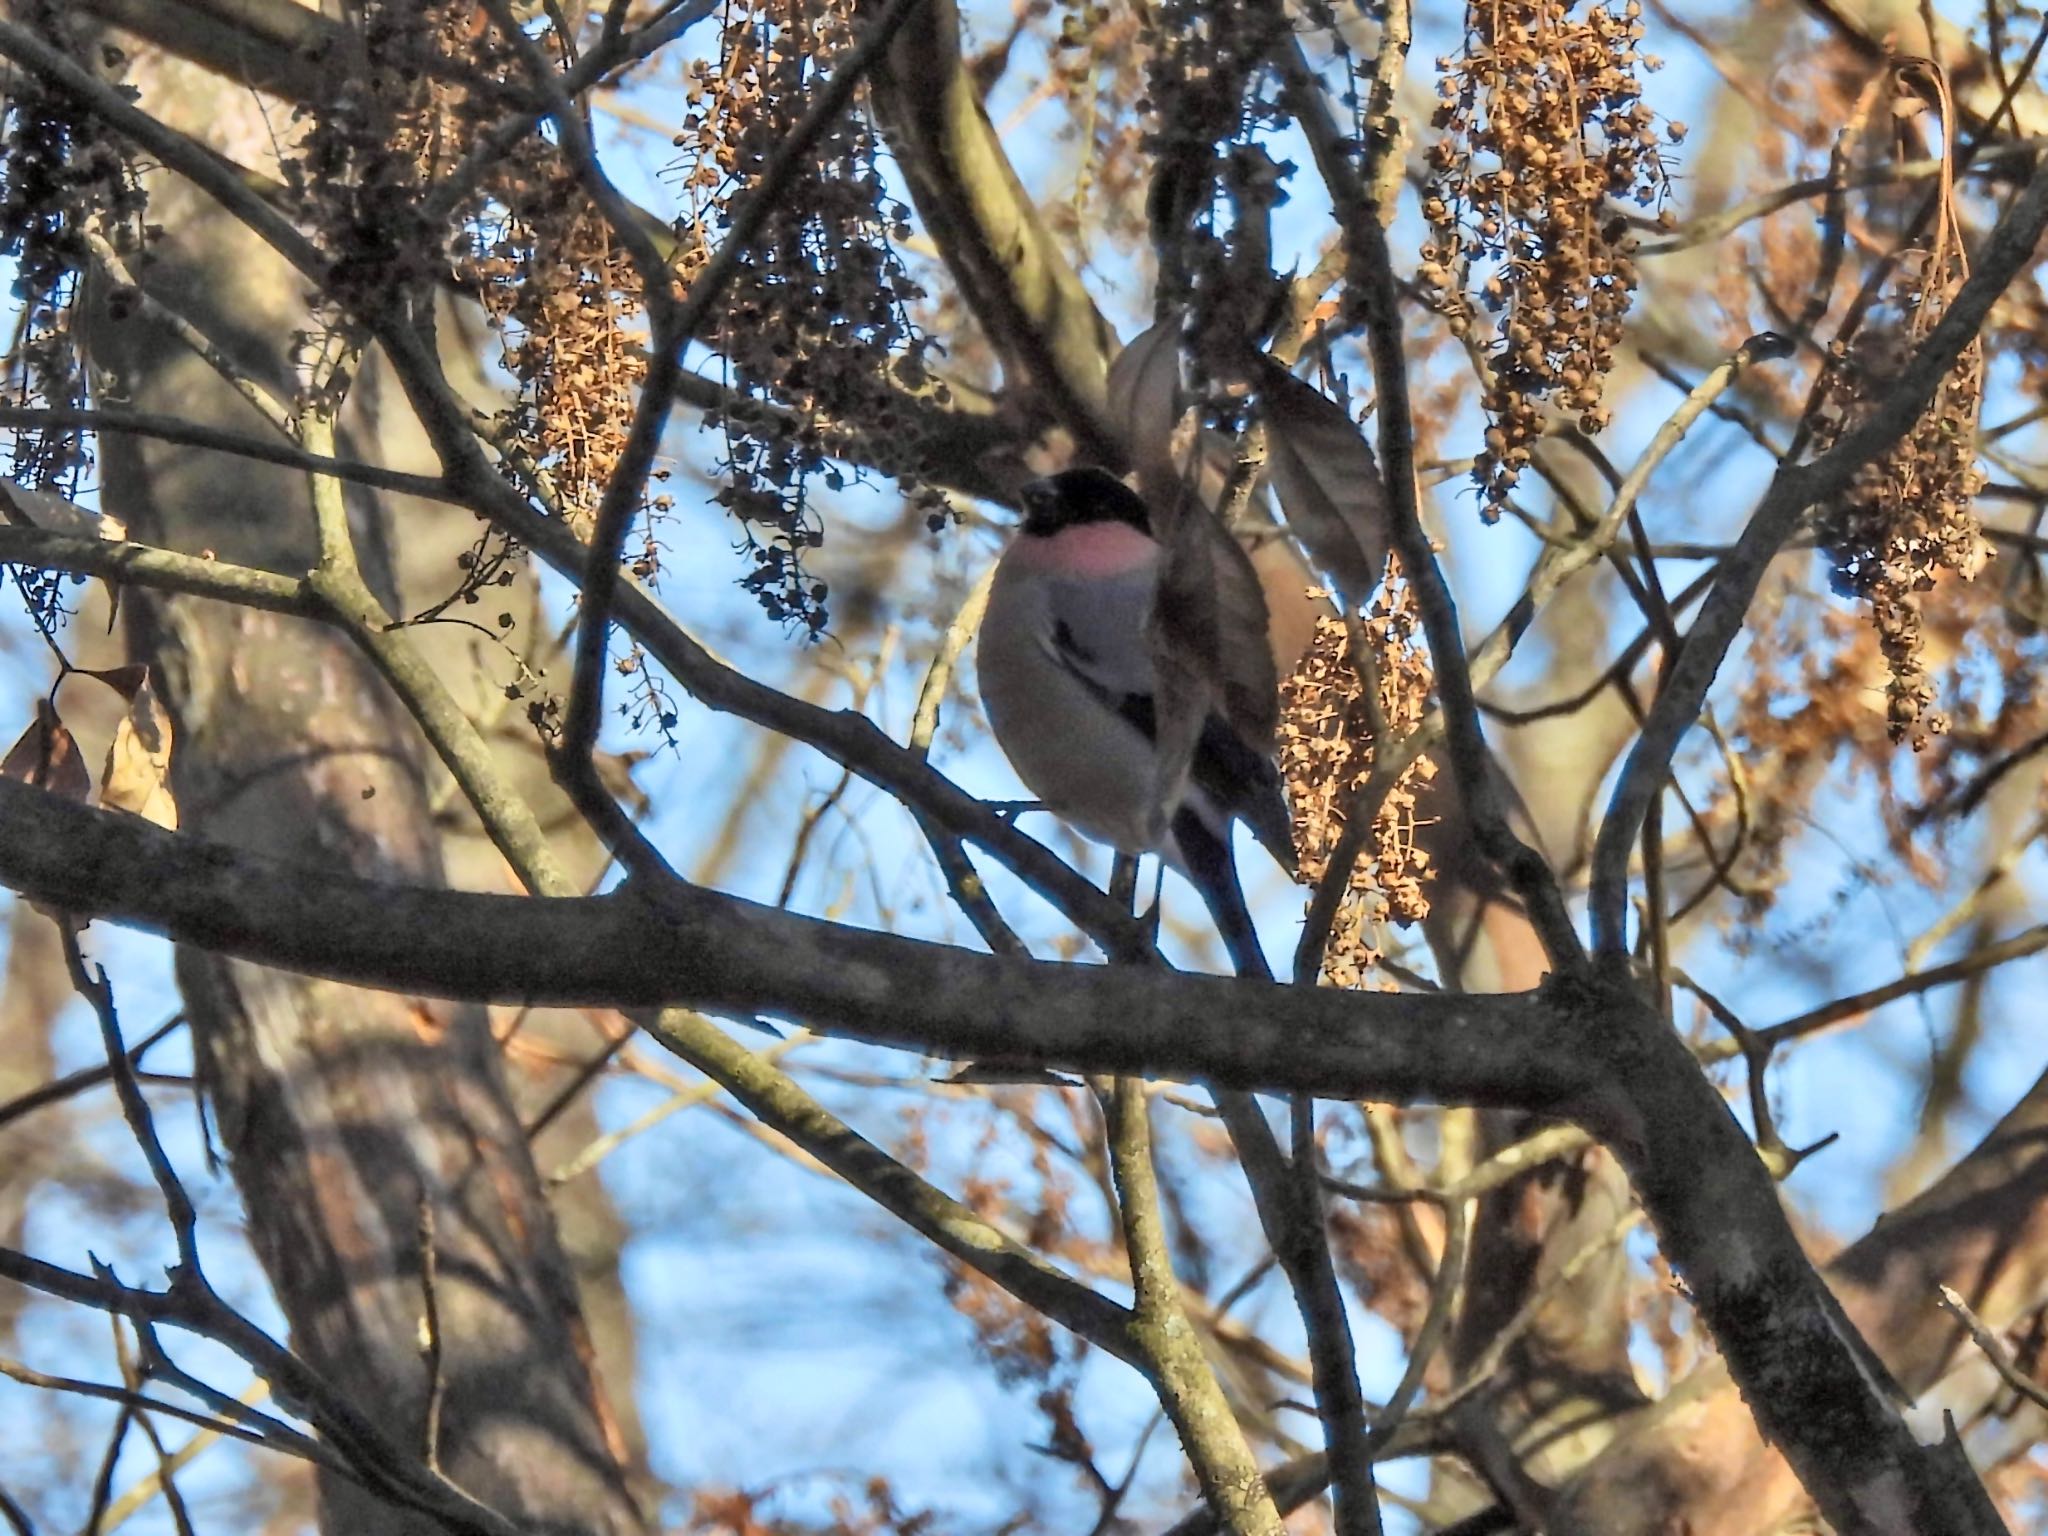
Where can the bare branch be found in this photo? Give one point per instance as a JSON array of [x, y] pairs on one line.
[[1795, 488], [704, 949], [1170, 1350]]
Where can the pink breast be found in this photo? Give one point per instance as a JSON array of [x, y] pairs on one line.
[[1088, 550]]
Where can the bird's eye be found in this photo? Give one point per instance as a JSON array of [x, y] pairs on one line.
[[1040, 499]]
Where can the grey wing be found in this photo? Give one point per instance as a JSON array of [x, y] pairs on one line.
[[1098, 633]]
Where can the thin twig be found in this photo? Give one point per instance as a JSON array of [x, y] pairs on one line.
[[358, 1448], [1715, 226], [146, 1487], [1445, 1296], [587, 1072], [103, 1480], [75, 1083], [99, 994], [14, 1370], [938, 677], [601, 1147], [1792, 491], [174, 1499], [1994, 1349], [2020, 945], [431, 1342]]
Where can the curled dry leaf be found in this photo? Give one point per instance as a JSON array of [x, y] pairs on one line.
[[1145, 407], [47, 756], [1209, 621], [138, 772], [1328, 482], [123, 680]]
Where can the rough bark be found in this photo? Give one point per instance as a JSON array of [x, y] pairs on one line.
[[344, 1112], [1555, 1392], [425, 540], [1695, 1462]]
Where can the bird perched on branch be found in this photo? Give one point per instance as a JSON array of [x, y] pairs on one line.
[[1070, 675]]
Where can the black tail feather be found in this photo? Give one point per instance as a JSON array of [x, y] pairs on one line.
[[1206, 856]]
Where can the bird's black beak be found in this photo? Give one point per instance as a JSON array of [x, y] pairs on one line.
[[1041, 502]]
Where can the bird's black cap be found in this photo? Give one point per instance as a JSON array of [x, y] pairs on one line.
[[1085, 495]]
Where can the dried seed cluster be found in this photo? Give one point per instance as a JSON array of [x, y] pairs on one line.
[[1100, 58], [60, 175], [565, 294], [817, 325], [366, 161], [1210, 95], [525, 239], [1545, 148], [566, 297], [1908, 517], [394, 124], [1812, 705], [1327, 733]]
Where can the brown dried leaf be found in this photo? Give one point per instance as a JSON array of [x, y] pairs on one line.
[[47, 757], [125, 681], [138, 772], [1145, 408], [1328, 482]]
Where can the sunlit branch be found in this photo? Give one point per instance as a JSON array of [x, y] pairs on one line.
[[1171, 1352], [173, 429], [165, 570]]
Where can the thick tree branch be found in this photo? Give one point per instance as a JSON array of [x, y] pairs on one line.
[[712, 951], [1028, 298], [272, 45], [1979, 1229], [1813, 1385], [1596, 1054], [166, 570]]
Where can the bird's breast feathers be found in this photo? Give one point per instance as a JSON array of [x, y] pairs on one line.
[[1087, 552]]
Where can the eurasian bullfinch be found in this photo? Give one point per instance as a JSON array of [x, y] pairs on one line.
[[1067, 677]]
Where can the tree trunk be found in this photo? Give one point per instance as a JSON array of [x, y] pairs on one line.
[[354, 1120]]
